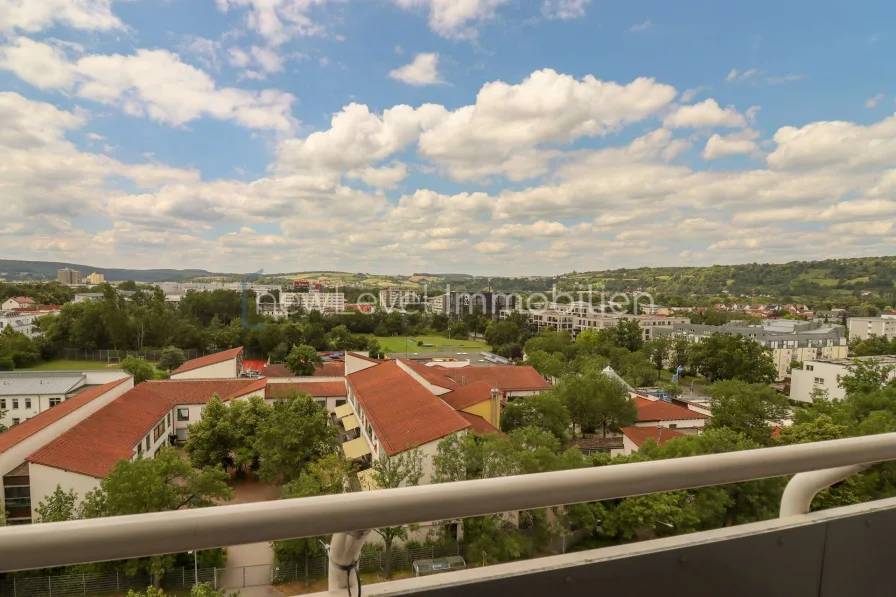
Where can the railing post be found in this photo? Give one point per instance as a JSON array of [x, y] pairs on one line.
[[117, 583], [215, 570], [84, 583], [803, 487], [50, 586], [244, 577]]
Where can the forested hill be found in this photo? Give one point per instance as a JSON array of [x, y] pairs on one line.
[[46, 270], [832, 278]]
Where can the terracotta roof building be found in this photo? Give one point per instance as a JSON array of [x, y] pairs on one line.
[[396, 412], [639, 435], [220, 365], [651, 412]]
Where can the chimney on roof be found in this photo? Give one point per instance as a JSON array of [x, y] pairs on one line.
[[463, 380], [659, 434], [496, 407]]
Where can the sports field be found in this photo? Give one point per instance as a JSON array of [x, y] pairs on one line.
[[439, 344]]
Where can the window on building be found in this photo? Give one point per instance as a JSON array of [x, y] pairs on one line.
[[15, 403], [27, 402], [55, 401], [169, 419], [140, 449], [183, 414], [810, 367], [819, 380], [158, 431], [147, 442], [15, 421], [2, 404], [339, 403]]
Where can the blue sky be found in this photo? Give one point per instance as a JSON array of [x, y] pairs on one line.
[[502, 137]]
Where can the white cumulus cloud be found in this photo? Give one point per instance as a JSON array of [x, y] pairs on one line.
[[423, 70]]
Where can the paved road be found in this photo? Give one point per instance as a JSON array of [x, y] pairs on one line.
[[252, 554]]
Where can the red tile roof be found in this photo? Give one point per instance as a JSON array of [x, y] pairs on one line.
[[478, 425], [468, 395], [505, 378], [95, 445], [24, 430], [329, 369], [660, 410], [209, 359], [254, 364], [660, 435], [315, 389], [24, 300], [402, 412]]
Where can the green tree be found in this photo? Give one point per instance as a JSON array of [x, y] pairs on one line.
[[637, 370], [545, 411], [200, 590], [627, 334], [724, 356], [172, 357], [58, 506], [867, 375], [595, 400], [329, 475], [17, 350], [658, 351], [499, 333], [295, 434], [549, 365], [404, 469], [246, 416], [213, 437], [748, 408], [141, 370], [303, 360], [161, 484]]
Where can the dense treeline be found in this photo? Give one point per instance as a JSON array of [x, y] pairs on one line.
[[838, 280]]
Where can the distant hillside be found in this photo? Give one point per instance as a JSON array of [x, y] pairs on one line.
[[46, 270], [828, 279]]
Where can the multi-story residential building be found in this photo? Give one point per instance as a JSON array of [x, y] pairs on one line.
[[96, 297], [788, 340], [578, 317], [822, 377], [329, 302], [25, 321], [456, 304], [69, 276], [649, 324], [865, 327], [96, 278], [398, 297]]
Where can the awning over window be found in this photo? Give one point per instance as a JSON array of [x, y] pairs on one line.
[[350, 422], [343, 411], [356, 448]]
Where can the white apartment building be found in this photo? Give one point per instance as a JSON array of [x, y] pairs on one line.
[[329, 302], [576, 317], [824, 376], [865, 327], [398, 297], [26, 394], [796, 341]]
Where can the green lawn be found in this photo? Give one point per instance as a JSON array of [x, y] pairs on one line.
[[63, 365], [409, 344]]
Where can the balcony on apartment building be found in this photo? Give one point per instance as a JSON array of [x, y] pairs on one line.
[[839, 552]]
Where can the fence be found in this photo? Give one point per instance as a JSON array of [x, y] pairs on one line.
[[76, 354], [371, 561], [108, 583], [105, 583]]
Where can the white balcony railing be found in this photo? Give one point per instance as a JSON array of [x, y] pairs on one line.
[[82, 541]]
